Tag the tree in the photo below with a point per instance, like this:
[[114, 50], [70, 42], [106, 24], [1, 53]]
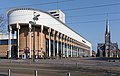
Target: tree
[[3, 28]]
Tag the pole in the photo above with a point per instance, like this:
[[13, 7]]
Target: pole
[[8, 72], [33, 43], [35, 18], [36, 73], [34, 37], [68, 74]]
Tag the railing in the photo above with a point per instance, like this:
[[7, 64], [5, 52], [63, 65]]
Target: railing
[[35, 73], [59, 63]]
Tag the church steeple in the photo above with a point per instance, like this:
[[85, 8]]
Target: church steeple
[[107, 39], [107, 26]]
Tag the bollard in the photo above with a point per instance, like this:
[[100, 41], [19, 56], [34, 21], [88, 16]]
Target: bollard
[[36, 73], [68, 74], [9, 72]]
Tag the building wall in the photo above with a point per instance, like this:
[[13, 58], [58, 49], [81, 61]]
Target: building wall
[[45, 19], [4, 46], [3, 50]]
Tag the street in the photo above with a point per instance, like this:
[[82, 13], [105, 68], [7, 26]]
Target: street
[[60, 67]]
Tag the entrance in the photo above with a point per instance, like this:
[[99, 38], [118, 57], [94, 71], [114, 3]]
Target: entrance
[[14, 51]]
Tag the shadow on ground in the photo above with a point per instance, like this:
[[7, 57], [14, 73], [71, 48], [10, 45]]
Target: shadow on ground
[[103, 58]]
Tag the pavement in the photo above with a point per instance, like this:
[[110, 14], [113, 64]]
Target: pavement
[[61, 67]]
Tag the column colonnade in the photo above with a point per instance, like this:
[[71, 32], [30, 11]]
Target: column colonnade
[[51, 42]]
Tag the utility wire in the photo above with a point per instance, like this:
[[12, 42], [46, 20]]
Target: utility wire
[[85, 15], [75, 8], [105, 5], [69, 9], [39, 4], [93, 21], [97, 14]]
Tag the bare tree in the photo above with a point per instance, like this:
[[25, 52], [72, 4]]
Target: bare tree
[[3, 28]]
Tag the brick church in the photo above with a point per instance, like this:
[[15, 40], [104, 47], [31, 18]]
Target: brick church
[[108, 49]]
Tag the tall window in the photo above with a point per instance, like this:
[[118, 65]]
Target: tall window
[[47, 47], [51, 47], [5, 42]]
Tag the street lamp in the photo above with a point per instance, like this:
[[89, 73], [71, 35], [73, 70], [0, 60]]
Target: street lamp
[[33, 23]]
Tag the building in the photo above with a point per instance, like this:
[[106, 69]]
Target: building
[[4, 45], [107, 49], [41, 34]]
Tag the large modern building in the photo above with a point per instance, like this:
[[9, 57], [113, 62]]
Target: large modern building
[[41, 34], [108, 49]]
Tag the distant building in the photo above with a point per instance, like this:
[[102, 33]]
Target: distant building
[[107, 49], [4, 41]]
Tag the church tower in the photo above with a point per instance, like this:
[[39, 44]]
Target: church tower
[[107, 39], [108, 49]]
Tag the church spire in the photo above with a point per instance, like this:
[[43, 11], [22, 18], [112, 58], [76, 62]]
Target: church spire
[[107, 39], [107, 26]]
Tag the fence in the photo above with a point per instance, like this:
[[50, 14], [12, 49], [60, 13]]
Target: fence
[[35, 73]]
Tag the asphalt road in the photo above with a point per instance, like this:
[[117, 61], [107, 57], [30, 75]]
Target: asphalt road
[[60, 67]]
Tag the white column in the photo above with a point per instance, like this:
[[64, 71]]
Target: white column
[[49, 43], [18, 40], [30, 29], [54, 43], [67, 46], [61, 47], [57, 43], [41, 49], [67, 49], [9, 49], [71, 50], [91, 50], [77, 52], [57, 48]]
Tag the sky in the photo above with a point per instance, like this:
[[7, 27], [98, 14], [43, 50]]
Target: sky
[[87, 17]]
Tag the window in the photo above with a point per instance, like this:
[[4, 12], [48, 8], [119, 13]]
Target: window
[[3, 42], [52, 12], [56, 15], [13, 41]]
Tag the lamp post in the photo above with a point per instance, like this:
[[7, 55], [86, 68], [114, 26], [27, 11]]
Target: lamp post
[[33, 23]]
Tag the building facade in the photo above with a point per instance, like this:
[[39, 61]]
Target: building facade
[[47, 36], [108, 49], [4, 39]]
